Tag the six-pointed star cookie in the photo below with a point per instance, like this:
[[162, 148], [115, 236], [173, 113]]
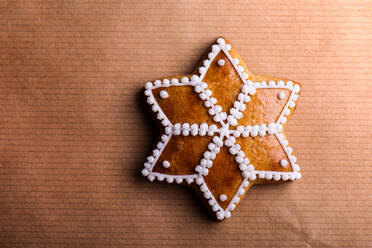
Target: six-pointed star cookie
[[223, 129]]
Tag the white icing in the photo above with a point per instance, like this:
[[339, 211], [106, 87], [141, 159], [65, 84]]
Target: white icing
[[157, 83], [283, 163], [166, 164], [163, 94], [221, 62], [281, 95], [166, 82], [221, 41], [223, 197], [145, 172], [148, 85], [220, 215], [184, 79], [225, 135]]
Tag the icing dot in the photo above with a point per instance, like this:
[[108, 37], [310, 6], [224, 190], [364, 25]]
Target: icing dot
[[272, 83], [221, 62], [174, 81], [199, 180], [152, 178], [207, 195], [145, 172], [281, 95], [194, 78], [221, 41], [284, 163], [189, 180], [281, 83], [215, 207], [296, 167], [241, 191], [198, 88], [227, 214], [269, 176], [220, 215], [296, 88], [163, 94], [252, 177], [223, 197], [215, 48], [184, 79], [148, 85], [166, 164], [285, 177], [277, 177]]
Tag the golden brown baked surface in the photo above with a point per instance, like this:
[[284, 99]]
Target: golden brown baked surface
[[255, 148]]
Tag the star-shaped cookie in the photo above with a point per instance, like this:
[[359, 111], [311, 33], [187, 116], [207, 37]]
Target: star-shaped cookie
[[223, 129]]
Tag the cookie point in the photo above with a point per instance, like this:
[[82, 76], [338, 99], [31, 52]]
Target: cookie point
[[145, 172], [295, 167], [148, 85], [220, 215], [227, 214], [147, 92], [221, 41], [296, 88], [298, 176]]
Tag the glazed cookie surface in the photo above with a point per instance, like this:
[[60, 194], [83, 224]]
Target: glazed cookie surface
[[223, 129]]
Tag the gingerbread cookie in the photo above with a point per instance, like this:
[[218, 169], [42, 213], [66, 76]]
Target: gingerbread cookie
[[223, 129]]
